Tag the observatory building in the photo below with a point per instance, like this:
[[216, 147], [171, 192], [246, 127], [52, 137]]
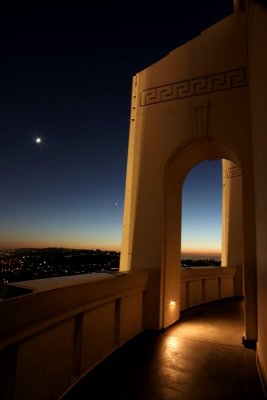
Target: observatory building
[[206, 100]]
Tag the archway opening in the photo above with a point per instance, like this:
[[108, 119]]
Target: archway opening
[[201, 226], [179, 285]]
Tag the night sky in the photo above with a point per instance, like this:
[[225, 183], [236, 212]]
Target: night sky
[[65, 76]]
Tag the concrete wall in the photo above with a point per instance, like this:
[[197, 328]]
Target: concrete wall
[[232, 221], [159, 127], [201, 285], [190, 106], [258, 93], [52, 337]]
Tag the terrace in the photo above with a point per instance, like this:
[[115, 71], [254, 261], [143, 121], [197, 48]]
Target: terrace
[[68, 334]]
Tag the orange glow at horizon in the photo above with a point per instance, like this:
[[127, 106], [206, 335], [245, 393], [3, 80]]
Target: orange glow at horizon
[[201, 251], [184, 253], [108, 245], [67, 245]]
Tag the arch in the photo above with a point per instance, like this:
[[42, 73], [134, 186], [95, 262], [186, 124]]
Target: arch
[[180, 163], [185, 158], [186, 110]]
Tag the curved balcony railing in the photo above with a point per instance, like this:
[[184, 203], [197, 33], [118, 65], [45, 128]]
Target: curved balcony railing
[[201, 285], [52, 336], [61, 328]]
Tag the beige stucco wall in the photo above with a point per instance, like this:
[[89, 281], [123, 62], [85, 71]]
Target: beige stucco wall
[[201, 285], [51, 337], [232, 221], [258, 78], [190, 106], [98, 328], [44, 363], [232, 240], [157, 130]]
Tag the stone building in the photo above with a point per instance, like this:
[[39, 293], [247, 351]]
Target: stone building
[[206, 100]]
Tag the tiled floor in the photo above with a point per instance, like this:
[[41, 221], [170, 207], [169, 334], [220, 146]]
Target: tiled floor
[[200, 358]]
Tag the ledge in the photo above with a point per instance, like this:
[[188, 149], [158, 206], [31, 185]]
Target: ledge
[[58, 298], [8, 291], [204, 273]]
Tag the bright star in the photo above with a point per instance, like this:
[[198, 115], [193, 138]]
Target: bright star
[[38, 140]]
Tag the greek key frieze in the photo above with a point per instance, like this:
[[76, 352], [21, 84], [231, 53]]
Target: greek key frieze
[[233, 172], [194, 87]]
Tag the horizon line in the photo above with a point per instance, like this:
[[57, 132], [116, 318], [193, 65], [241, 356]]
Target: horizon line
[[183, 253]]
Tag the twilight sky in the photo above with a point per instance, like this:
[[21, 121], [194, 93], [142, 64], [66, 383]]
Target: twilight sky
[[65, 76]]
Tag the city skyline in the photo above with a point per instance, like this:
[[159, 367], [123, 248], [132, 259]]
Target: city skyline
[[66, 78]]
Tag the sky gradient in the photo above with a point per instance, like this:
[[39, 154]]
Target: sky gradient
[[202, 209], [66, 77]]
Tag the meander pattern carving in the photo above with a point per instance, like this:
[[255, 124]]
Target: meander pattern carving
[[194, 87], [233, 172]]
